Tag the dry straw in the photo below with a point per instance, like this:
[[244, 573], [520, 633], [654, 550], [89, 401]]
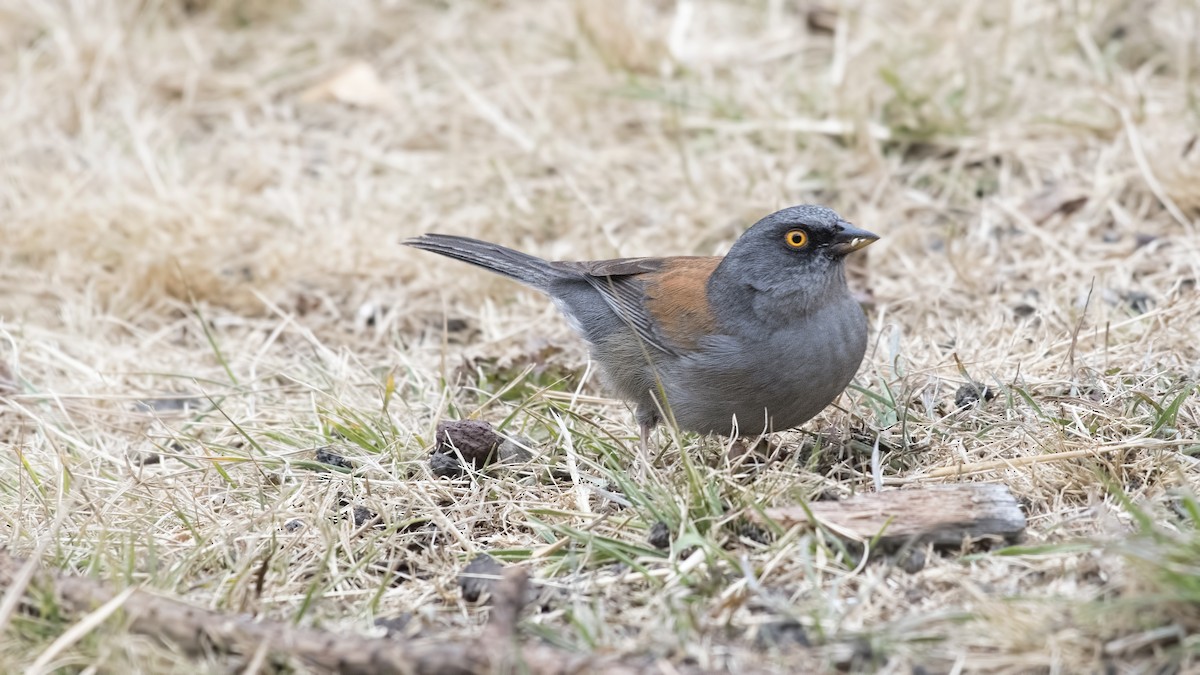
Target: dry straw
[[201, 282]]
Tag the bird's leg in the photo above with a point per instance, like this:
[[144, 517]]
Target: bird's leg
[[644, 431], [647, 418]]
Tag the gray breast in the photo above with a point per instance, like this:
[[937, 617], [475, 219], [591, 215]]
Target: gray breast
[[772, 381]]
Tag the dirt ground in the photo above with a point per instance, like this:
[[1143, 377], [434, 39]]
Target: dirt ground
[[221, 373]]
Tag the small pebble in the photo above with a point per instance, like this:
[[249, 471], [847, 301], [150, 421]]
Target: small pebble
[[148, 458], [445, 465], [363, 515], [479, 577], [659, 536], [971, 393], [326, 455], [1023, 310], [514, 451], [475, 440]]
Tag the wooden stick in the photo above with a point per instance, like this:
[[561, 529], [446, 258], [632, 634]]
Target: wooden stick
[[196, 630], [942, 514]]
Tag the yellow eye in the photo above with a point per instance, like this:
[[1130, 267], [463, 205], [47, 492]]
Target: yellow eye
[[796, 238]]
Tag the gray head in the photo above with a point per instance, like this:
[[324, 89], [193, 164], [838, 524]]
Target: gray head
[[797, 253]]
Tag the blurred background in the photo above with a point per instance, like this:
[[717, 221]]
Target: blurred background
[[283, 148], [206, 198]]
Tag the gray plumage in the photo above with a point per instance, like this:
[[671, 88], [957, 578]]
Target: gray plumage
[[760, 340]]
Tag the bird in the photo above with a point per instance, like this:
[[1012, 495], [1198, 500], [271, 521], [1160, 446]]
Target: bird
[[755, 341]]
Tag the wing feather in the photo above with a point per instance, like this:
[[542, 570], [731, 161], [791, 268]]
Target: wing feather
[[623, 285]]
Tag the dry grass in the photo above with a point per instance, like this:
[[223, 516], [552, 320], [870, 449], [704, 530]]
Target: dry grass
[[199, 261]]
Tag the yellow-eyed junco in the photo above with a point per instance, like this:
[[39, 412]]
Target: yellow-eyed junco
[[759, 340]]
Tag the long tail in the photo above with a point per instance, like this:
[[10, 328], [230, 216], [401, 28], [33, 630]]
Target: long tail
[[521, 267]]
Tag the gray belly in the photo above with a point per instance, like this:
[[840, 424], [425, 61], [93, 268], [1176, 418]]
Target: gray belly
[[768, 382]]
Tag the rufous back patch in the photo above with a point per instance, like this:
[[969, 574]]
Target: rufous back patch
[[676, 296]]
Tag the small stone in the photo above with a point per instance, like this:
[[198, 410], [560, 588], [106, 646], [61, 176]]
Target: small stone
[[363, 515], [971, 393], [514, 451], [445, 465], [326, 455], [659, 536], [148, 458], [479, 577], [1023, 310], [293, 525], [475, 440]]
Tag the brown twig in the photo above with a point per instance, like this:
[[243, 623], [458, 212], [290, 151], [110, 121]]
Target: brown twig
[[941, 514], [196, 629]]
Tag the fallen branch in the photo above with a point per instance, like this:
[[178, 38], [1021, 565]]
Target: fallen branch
[[942, 514], [197, 630]]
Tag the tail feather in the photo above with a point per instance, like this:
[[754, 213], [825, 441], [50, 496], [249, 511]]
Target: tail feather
[[522, 267]]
